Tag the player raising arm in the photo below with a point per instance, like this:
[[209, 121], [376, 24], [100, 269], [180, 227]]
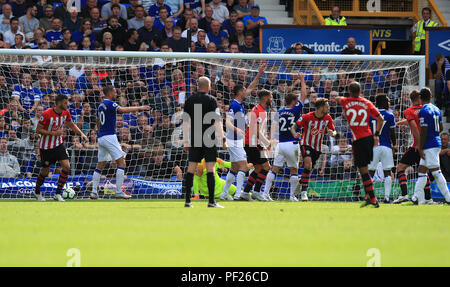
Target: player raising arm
[[108, 144], [235, 124], [357, 110], [429, 147], [411, 156], [51, 144], [382, 152], [315, 126]]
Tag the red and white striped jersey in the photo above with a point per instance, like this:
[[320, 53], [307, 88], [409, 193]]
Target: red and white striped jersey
[[52, 121], [314, 129]]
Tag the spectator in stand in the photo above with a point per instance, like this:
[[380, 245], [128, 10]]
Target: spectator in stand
[[158, 82], [10, 35], [61, 10], [4, 92], [163, 131], [35, 119], [165, 101], [229, 25], [239, 35], [335, 109], [161, 20], [117, 31], [115, 9], [9, 165], [220, 11], [138, 21], [18, 42], [154, 9], [351, 48], [73, 22], [201, 44], [242, 9], [148, 32], [185, 22], [335, 18], [444, 156], [85, 9], [197, 6], [46, 21], [132, 43], [19, 7], [98, 24], [205, 22], [29, 22], [216, 34], [418, 31], [194, 31], [75, 107], [84, 31], [86, 45], [176, 7], [177, 43], [341, 151], [299, 48], [440, 70], [168, 29], [107, 10], [161, 167], [3, 127], [27, 96], [211, 48], [12, 114], [5, 18], [249, 44], [394, 88], [55, 35], [131, 10], [254, 21]]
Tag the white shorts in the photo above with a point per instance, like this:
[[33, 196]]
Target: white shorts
[[384, 155], [236, 150], [431, 158], [287, 152], [109, 147]]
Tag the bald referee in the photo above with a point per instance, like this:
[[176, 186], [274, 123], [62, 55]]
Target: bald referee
[[203, 134]]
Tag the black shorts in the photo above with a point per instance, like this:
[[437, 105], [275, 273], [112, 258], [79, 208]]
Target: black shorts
[[410, 157], [196, 154], [363, 151], [51, 156], [255, 155], [308, 151]]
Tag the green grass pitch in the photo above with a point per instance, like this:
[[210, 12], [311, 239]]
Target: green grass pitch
[[163, 233]]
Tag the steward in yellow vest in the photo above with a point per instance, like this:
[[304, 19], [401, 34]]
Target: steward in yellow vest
[[418, 31], [335, 18]]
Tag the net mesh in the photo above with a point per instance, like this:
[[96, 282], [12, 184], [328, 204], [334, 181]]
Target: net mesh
[[155, 158]]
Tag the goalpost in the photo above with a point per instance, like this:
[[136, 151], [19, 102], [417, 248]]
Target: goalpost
[[152, 141]]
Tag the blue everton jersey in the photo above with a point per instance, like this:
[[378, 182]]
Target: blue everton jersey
[[389, 122], [107, 116], [286, 118], [27, 96], [236, 112], [430, 117]]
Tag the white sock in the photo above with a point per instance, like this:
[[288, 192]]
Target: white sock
[[120, 173], [419, 194], [96, 180], [293, 181], [231, 177], [442, 184], [269, 180], [240, 178], [387, 186]]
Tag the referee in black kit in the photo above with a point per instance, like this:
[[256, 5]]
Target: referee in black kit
[[202, 134]]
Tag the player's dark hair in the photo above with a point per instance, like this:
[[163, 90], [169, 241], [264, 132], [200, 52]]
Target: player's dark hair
[[382, 101], [354, 89], [61, 97], [263, 93], [291, 97], [414, 95], [108, 89], [237, 89], [320, 102], [425, 94]]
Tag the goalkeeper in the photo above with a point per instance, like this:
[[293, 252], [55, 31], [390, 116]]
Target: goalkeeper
[[200, 182]]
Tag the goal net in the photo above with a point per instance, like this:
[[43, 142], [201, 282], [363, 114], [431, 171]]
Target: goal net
[[152, 141]]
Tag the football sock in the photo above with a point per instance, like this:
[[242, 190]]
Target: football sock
[[120, 174], [442, 184], [427, 189], [304, 181], [62, 180], [188, 181], [39, 182], [240, 178], [269, 180], [368, 187], [250, 182], [96, 180], [211, 186], [231, 177], [402, 180], [387, 186], [293, 181], [260, 179], [420, 185]]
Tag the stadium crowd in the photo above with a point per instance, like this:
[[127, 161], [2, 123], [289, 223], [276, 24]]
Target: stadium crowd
[[28, 85]]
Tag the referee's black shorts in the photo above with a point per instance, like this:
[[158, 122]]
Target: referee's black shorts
[[51, 156], [363, 151], [196, 154]]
